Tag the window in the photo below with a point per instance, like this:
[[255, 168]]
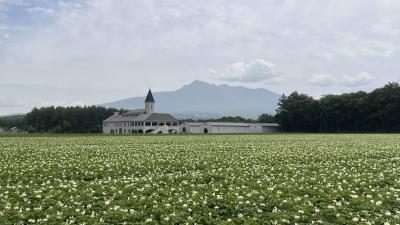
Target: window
[[148, 124], [168, 123], [154, 123]]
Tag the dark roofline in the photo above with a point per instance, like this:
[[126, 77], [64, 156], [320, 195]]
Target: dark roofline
[[149, 97]]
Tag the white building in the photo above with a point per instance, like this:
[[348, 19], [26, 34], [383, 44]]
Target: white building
[[224, 127], [141, 121]]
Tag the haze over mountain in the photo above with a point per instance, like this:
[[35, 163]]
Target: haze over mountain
[[204, 100]]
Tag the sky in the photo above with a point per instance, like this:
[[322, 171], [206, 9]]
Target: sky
[[85, 52]]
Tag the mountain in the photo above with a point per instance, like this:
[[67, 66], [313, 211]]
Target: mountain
[[13, 116], [203, 100]]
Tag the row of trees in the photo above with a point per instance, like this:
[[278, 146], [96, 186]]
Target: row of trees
[[377, 111], [9, 122], [76, 119]]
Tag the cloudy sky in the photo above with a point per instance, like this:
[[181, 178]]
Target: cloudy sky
[[95, 51]]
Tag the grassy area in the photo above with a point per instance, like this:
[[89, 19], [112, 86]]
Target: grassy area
[[204, 179]]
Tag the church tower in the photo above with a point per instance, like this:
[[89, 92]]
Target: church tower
[[149, 103]]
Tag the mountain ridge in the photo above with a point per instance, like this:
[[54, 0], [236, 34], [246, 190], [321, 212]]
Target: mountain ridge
[[204, 100]]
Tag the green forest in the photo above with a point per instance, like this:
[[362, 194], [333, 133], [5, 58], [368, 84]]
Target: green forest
[[377, 111], [87, 119]]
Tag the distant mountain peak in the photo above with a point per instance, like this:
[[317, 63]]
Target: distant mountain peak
[[198, 83], [203, 98]]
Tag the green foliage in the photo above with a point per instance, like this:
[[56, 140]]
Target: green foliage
[[377, 111], [77, 119], [8, 122], [298, 112], [267, 118], [203, 179]]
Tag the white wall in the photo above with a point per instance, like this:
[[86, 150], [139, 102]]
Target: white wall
[[194, 129], [125, 129], [128, 128], [215, 128], [270, 129]]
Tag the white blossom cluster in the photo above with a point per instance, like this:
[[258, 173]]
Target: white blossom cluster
[[200, 179]]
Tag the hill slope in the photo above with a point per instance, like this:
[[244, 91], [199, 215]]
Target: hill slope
[[201, 100]]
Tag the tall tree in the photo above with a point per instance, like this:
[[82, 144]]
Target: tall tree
[[298, 112]]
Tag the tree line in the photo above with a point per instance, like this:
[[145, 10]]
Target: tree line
[[8, 122], [87, 119], [377, 111]]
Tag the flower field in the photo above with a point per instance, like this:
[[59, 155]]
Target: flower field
[[200, 179]]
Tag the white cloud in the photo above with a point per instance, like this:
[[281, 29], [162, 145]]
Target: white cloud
[[326, 80], [62, 103], [323, 80], [357, 80], [38, 9], [249, 72]]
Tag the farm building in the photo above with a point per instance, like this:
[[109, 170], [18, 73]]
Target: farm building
[[141, 121], [224, 127]]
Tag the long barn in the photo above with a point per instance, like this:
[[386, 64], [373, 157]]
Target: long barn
[[226, 127]]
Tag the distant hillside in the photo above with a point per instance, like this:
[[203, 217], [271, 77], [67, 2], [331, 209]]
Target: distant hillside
[[203, 100], [13, 116]]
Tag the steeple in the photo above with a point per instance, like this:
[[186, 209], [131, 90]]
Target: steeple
[[149, 97], [149, 103]]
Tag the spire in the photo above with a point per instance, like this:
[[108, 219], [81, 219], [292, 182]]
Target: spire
[[149, 97]]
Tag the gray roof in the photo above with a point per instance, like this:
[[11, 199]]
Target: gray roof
[[160, 117], [194, 124], [229, 124], [134, 112], [112, 118], [268, 124], [125, 117]]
